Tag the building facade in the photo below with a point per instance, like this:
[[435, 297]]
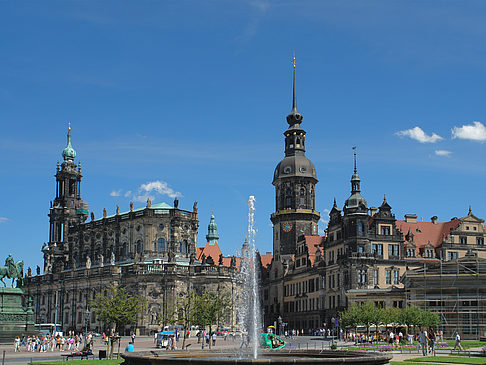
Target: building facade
[[364, 255], [151, 250]]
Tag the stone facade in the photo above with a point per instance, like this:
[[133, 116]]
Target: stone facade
[[364, 255], [150, 250]]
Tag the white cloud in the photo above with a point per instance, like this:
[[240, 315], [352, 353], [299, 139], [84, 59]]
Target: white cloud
[[3, 220], [443, 153], [128, 193], [151, 189], [418, 134], [116, 192], [475, 132]]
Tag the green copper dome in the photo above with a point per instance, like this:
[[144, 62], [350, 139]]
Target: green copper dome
[[69, 153]]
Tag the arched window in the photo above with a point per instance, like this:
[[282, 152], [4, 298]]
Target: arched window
[[184, 247], [139, 247], [302, 197], [161, 245], [360, 228], [288, 198]]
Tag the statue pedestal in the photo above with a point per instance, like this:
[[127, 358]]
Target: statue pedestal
[[16, 315]]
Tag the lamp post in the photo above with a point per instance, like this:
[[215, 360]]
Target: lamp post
[[333, 323], [86, 320]]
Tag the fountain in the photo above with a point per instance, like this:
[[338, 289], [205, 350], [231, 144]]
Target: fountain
[[251, 321], [249, 306]]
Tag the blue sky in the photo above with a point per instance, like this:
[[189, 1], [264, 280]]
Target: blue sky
[[192, 97]]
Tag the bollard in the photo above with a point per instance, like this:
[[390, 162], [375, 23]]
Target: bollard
[[3, 358]]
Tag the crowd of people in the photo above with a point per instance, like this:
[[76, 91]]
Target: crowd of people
[[46, 342]]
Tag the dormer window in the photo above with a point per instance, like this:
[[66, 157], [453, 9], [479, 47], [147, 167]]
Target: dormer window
[[385, 230]]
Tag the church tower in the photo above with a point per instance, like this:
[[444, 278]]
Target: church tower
[[66, 210], [294, 180]]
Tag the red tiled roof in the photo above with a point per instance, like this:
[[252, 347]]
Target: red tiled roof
[[426, 232], [211, 250], [227, 262], [313, 242], [266, 259], [214, 251]]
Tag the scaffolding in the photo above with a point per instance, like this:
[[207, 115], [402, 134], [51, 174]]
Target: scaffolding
[[456, 290]]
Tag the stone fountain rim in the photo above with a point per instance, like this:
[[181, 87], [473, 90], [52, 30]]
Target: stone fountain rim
[[306, 356]]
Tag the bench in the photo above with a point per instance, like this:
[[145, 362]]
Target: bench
[[82, 356]]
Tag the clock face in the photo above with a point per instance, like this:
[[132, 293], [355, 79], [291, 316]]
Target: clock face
[[287, 227]]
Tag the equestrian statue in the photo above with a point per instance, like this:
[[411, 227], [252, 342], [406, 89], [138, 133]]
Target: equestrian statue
[[12, 270]]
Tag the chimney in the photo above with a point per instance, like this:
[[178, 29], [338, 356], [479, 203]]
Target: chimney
[[411, 218], [373, 211], [434, 219]]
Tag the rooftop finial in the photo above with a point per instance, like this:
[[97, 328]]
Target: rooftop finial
[[470, 211], [69, 126], [294, 117], [354, 149], [294, 100]]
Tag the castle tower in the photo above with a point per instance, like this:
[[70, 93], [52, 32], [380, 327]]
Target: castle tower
[[356, 216], [294, 180], [66, 210]]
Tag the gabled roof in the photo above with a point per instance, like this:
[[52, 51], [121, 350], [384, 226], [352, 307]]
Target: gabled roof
[[426, 232], [313, 242], [212, 250], [266, 259]]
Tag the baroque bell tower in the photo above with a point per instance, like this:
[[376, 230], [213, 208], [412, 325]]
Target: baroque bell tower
[[66, 209], [294, 180]]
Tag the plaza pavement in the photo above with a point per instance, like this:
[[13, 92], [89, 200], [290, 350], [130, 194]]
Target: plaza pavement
[[145, 343]]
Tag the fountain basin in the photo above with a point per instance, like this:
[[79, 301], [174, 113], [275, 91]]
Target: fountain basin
[[273, 357]]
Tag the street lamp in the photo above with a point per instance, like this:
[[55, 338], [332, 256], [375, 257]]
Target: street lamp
[[86, 320], [333, 323]]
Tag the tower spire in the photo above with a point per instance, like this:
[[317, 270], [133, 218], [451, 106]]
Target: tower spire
[[354, 149], [69, 153], [294, 99], [294, 118]]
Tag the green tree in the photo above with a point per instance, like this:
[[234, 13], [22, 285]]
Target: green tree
[[429, 318], [350, 317], [368, 315], [118, 307], [411, 317], [186, 312], [392, 316], [210, 308]]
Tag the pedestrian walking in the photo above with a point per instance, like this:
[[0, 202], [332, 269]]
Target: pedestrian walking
[[458, 342], [432, 338], [423, 340]]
